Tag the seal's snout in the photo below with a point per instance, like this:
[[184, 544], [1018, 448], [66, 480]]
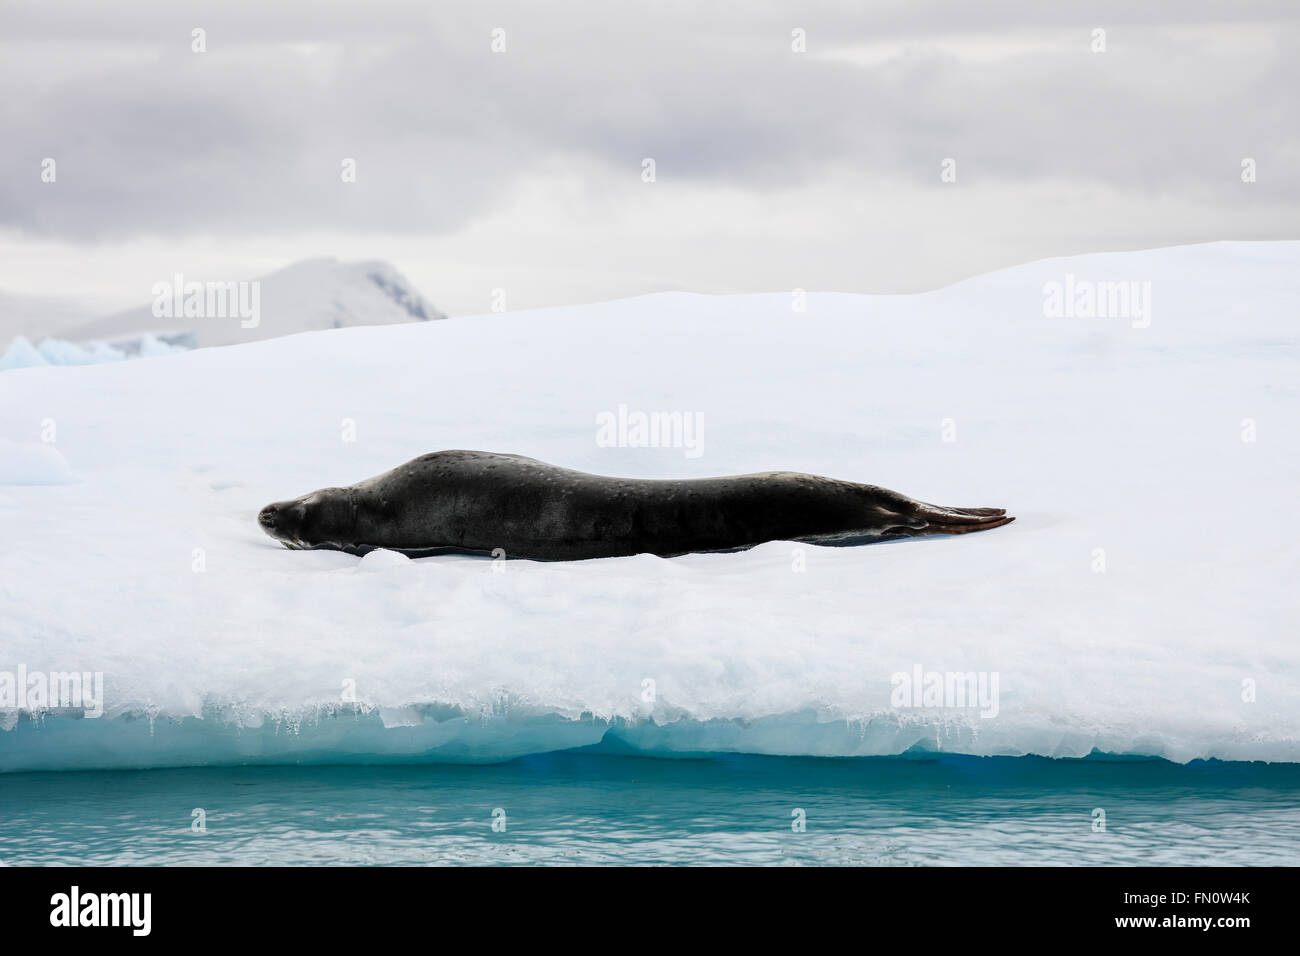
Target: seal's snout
[[284, 521], [269, 518]]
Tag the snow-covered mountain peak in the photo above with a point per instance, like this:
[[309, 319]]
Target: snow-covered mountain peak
[[311, 295]]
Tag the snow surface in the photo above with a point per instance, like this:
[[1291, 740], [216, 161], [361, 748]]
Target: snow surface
[[217, 644]]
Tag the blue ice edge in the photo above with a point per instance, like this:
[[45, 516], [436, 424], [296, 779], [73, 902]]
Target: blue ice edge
[[441, 734]]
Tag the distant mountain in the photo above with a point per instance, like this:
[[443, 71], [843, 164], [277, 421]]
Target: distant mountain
[[307, 296], [38, 316]]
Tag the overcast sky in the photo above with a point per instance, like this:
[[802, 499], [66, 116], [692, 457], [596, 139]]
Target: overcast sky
[[523, 169]]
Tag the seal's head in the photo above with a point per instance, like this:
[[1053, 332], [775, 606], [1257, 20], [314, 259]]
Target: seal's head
[[322, 519]]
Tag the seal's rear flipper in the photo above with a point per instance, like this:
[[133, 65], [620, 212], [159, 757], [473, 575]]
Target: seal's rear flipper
[[925, 519]]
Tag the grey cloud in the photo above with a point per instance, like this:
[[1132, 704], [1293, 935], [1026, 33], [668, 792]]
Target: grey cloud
[[152, 139]]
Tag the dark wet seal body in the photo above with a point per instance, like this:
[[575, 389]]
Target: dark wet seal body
[[477, 502]]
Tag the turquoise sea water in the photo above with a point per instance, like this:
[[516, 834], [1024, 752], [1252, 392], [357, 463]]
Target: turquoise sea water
[[578, 807]]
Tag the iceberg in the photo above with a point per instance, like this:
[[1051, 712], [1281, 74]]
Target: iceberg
[[1142, 604]]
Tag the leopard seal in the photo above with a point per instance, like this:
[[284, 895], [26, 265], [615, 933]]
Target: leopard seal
[[477, 502]]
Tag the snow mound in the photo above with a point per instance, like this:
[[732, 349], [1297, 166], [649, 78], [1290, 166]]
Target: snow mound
[[382, 560], [33, 463], [1142, 603]]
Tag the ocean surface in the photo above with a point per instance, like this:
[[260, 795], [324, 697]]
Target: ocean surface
[[594, 808]]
